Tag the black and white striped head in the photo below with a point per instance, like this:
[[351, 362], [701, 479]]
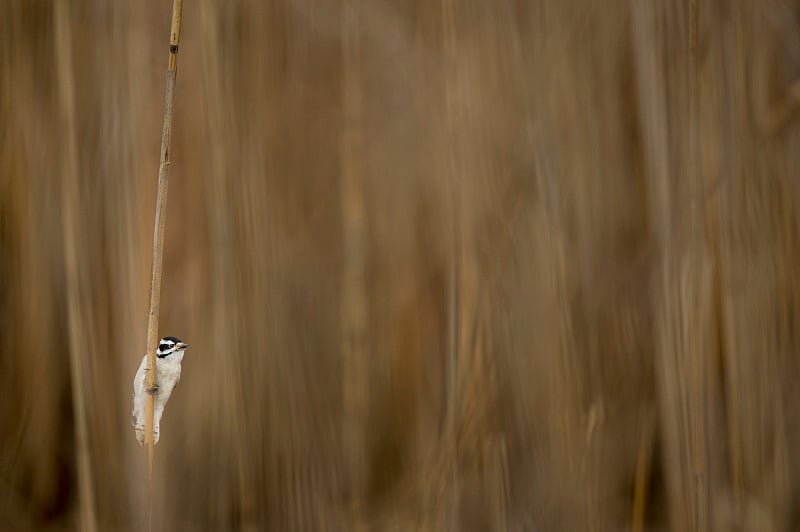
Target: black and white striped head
[[169, 345]]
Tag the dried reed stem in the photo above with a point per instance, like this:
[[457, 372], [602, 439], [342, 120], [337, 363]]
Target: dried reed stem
[[644, 461], [452, 100], [76, 309], [158, 230], [355, 302]]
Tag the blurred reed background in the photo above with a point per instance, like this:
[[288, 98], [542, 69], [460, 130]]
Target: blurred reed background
[[444, 264]]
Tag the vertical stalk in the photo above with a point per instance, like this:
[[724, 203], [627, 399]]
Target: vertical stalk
[[71, 213], [452, 101], [355, 303], [158, 230]]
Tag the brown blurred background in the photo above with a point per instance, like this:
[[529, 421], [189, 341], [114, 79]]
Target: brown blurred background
[[444, 264]]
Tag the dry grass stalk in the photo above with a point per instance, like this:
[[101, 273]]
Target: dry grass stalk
[[78, 344], [451, 87], [158, 230], [644, 460], [355, 301]]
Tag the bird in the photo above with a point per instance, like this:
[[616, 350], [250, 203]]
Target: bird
[[168, 372]]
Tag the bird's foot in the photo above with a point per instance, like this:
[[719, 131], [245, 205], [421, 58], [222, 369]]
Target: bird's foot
[[154, 390]]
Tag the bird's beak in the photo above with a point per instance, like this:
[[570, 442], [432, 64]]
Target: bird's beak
[[181, 345]]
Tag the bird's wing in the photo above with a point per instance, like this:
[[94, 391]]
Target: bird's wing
[[137, 410], [138, 381]]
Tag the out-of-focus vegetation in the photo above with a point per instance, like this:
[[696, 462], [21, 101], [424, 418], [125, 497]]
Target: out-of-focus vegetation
[[444, 264]]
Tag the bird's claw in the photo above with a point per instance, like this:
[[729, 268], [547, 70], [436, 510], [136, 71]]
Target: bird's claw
[[154, 390]]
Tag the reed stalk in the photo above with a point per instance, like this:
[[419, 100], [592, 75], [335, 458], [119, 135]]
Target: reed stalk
[[158, 231], [76, 304], [355, 300]]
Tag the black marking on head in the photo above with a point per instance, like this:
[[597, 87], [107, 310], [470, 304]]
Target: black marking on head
[[166, 346]]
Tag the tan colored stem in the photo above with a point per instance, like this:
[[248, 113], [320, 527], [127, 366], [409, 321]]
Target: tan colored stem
[[158, 230], [355, 302], [76, 311], [643, 465]]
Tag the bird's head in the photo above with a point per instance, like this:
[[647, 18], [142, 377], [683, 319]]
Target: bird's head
[[170, 345]]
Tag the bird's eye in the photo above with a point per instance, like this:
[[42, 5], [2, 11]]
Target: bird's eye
[[164, 347]]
